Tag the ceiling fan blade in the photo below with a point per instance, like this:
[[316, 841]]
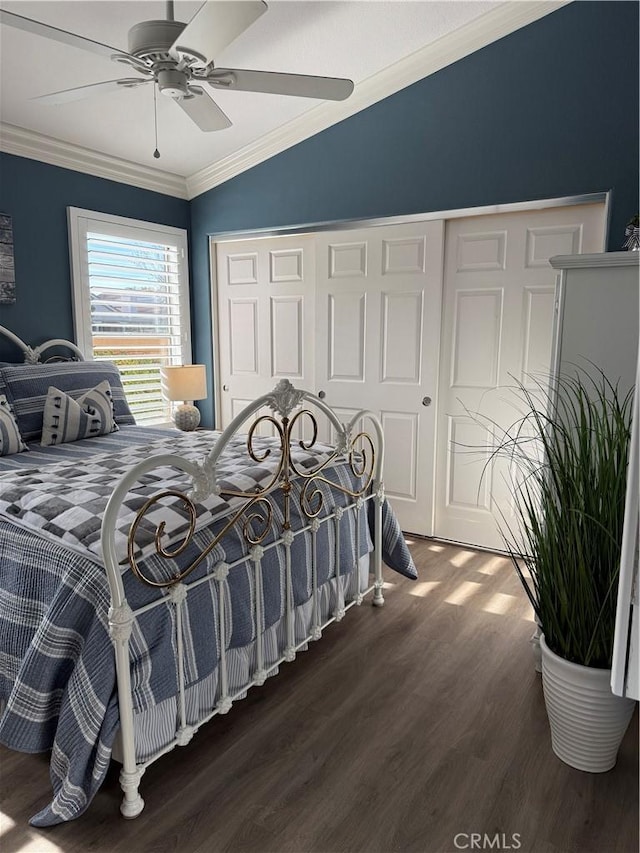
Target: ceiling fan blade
[[300, 85], [81, 92], [62, 36], [215, 25], [204, 112]]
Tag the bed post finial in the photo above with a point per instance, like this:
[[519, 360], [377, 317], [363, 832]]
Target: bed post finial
[[284, 398]]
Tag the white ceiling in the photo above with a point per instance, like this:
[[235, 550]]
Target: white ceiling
[[361, 40]]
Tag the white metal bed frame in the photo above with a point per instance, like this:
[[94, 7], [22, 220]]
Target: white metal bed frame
[[251, 510]]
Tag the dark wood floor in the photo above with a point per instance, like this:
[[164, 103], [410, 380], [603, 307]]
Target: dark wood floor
[[406, 729]]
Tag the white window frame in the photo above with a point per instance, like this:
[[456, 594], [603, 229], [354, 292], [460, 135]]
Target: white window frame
[[82, 222]]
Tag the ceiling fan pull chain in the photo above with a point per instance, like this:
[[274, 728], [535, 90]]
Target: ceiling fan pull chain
[[156, 153]]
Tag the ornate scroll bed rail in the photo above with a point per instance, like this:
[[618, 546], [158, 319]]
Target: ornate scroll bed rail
[[253, 515], [33, 355]]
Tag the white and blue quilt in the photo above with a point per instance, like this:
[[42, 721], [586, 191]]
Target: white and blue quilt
[[57, 669]]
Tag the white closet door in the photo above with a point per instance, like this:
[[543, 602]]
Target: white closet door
[[377, 342], [265, 304], [497, 328]]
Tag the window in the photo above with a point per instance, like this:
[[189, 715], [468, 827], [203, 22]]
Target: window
[[131, 302]]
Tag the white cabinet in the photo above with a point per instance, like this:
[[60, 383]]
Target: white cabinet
[[625, 675], [597, 320], [597, 315]]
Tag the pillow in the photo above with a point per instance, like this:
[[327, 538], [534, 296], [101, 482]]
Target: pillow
[[10, 438], [27, 386], [65, 419]]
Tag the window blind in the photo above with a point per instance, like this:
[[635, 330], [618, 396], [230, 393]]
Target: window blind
[[136, 314], [131, 301]]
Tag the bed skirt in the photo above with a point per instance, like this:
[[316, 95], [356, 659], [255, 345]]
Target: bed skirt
[[155, 727]]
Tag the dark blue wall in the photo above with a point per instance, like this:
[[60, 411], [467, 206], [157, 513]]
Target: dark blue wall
[[37, 195], [549, 111]]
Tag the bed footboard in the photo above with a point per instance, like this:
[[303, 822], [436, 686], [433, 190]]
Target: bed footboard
[[292, 503]]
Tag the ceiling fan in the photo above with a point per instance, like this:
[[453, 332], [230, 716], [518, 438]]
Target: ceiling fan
[[178, 58]]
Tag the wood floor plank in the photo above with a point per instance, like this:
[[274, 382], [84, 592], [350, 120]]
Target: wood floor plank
[[402, 729]]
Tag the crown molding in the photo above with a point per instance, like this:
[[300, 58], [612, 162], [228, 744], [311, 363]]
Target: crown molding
[[493, 25], [37, 146]]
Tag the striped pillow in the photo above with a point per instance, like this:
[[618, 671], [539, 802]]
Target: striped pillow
[[10, 439], [27, 386], [66, 419]]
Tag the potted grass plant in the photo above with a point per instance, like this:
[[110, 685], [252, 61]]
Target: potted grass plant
[[569, 454]]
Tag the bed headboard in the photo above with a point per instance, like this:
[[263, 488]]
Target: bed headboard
[[33, 355]]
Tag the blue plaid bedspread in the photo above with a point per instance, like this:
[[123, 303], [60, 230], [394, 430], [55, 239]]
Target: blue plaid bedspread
[[57, 670]]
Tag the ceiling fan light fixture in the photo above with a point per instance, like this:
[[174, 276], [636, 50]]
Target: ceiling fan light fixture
[[173, 84]]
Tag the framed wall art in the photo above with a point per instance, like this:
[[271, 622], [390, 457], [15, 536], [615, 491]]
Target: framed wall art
[[7, 267]]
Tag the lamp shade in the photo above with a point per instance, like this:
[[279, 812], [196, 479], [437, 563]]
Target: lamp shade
[[184, 382]]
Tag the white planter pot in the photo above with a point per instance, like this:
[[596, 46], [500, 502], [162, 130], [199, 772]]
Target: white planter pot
[[587, 720]]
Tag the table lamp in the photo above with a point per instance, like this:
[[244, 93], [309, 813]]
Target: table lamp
[[185, 382]]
